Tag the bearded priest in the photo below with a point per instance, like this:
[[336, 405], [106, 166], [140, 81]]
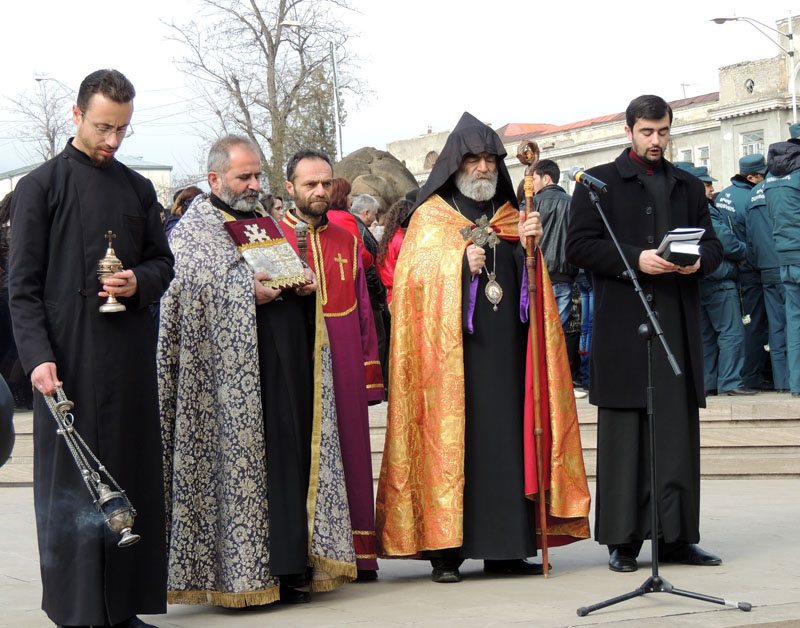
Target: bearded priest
[[458, 477]]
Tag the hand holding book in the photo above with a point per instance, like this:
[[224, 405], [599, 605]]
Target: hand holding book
[[681, 246]]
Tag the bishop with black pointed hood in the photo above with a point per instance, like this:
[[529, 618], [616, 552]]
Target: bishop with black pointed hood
[[470, 137]]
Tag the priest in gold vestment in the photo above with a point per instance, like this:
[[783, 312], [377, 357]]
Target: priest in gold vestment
[[458, 477]]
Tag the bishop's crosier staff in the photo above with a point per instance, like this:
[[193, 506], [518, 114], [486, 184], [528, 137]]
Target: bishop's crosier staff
[[528, 154]]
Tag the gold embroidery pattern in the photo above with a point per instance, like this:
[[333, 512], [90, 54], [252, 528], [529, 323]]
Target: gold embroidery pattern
[[316, 249], [420, 491], [420, 506], [213, 433]]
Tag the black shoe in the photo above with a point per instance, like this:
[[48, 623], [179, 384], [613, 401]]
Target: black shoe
[[690, 554], [518, 567], [740, 391], [290, 595], [446, 574], [711, 393], [622, 560], [781, 390], [367, 575]]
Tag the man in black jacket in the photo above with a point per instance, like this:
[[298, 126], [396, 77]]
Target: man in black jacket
[[552, 202], [647, 197]]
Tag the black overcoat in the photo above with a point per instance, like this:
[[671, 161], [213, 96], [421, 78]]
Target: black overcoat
[[60, 213], [618, 376]]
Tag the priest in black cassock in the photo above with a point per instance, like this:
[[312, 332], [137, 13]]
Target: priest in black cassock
[[453, 481], [61, 213], [647, 197]]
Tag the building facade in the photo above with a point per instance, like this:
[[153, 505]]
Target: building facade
[[751, 110]]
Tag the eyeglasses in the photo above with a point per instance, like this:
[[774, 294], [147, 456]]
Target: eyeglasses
[[104, 130]]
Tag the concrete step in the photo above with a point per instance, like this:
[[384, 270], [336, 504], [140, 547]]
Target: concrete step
[[715, 462], [756, 437], [721, 436]]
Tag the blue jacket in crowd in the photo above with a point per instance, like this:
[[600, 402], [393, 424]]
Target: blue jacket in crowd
[[760, 244], [733, 202], [782, 192], [733, 249]]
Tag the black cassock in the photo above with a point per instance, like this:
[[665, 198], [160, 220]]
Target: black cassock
[[499, 522], [641, 208], [285, 350], [60, 214]]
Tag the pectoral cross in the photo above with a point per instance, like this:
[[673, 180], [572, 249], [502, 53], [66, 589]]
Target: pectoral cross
[[482, 234], [341, 261]]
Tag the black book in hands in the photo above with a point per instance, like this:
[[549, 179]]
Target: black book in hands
[[681, 246]]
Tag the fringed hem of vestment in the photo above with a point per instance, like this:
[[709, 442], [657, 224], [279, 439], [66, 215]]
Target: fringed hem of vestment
[[228, 600], [330, 584], [330, 574]]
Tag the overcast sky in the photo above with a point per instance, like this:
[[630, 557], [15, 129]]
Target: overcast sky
[[424, 62]]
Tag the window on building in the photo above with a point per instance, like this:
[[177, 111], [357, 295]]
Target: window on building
[[752, 142], [703, 156], [686, 155]]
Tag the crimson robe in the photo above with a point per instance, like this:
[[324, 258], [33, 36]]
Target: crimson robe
[[357, 380]]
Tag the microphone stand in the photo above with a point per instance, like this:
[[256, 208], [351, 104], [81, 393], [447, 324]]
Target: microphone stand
[[655, 583]]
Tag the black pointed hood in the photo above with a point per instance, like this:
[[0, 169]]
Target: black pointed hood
[[471, 136]]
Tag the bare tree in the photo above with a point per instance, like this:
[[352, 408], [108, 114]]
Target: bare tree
[[46, 116], [267, 79]]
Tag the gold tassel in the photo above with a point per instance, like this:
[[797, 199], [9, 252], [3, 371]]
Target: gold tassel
[[221, 598], [334, 573]]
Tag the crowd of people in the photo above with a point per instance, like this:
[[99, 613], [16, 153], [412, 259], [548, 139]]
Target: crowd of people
[[747, 302], [231, 396]]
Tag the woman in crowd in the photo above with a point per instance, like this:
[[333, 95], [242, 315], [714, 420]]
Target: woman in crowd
[[181, 204], [339, 214], [274, 206], [389, 246]]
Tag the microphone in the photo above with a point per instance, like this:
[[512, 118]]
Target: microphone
[[580, 176]]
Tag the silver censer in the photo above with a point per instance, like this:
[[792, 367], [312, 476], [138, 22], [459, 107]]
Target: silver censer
[[113, 504]]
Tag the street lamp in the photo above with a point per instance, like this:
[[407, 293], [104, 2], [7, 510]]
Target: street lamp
[[337, 119], [756, 24], [40, 78]]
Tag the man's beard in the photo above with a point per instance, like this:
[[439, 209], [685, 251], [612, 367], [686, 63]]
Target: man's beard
[[643, 153], [101, 162], [314, 206], [479, 186], [247, 201]]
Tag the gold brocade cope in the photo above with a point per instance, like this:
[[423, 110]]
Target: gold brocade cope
[[420, 492]]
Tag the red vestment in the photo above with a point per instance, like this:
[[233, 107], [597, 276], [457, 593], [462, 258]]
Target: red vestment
[[333, 254]]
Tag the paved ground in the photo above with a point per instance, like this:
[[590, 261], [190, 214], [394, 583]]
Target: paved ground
[[752, 524]]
